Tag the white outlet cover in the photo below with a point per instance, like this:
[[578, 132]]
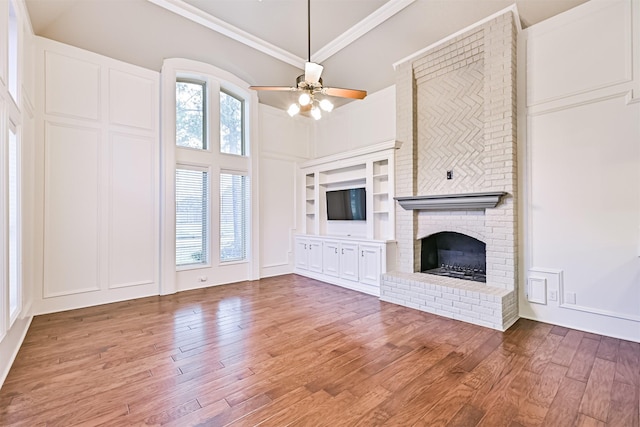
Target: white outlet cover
[[570, 297], [537, 290]]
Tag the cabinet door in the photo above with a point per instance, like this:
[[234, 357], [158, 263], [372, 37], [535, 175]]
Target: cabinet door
[[331, 258], [315, 255], [349, 261], [370, 264], [302, 253]]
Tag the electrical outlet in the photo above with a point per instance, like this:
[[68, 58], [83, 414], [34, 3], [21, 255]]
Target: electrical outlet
[[450, 174], [553, 295]]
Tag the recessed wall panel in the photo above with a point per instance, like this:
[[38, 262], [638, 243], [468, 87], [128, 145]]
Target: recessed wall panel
[[588, 53], [72, 87], [278, 206], [131, 100], [132, 225], [71, 210], [585, 199]]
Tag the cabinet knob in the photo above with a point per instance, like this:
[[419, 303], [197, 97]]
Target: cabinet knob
[[342, 251], [336, 250], [362, 253]]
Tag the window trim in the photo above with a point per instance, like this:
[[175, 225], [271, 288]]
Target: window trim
[[13, 316]]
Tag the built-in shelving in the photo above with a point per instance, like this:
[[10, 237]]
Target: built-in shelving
[[381, 197], [310, 201], [371, 168]]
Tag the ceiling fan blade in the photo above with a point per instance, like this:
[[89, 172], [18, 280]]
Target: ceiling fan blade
[[275, 88], [344, 93], [312, 72]]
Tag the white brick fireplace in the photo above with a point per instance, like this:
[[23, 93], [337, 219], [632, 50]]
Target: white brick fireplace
[[456, 113]]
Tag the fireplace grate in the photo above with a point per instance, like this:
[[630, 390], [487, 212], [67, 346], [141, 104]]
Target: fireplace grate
[[459, 272], [455, 255]]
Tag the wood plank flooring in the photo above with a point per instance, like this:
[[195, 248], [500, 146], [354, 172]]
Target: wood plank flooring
[[293, 351]]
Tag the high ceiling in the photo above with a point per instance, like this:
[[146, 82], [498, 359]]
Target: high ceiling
[[264, 42]]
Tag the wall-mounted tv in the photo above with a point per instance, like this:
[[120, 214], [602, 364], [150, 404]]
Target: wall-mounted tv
[[349, 205]]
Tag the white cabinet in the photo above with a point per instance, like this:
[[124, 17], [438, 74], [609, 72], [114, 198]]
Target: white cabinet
[[331, 258], [302, 253], [309, 254], [351, 263], [370, 264], [315, 255], [340, 259]]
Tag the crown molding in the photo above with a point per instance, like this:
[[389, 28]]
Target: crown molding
[[376, 18], [218, 25], [196, 15]]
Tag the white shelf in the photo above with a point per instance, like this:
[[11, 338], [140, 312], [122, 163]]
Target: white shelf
[[344, 182]]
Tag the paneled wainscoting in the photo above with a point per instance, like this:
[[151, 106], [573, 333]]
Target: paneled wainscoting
[[290, 350]]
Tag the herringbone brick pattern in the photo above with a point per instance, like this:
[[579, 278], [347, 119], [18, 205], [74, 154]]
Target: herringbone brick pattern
[[451, 131]]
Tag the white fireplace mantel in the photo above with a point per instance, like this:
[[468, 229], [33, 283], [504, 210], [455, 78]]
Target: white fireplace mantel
[[464, 201]]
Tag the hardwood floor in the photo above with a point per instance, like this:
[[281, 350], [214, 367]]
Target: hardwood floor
[[293, 351]]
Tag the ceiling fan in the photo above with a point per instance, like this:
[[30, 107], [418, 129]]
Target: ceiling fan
[[310, 85]]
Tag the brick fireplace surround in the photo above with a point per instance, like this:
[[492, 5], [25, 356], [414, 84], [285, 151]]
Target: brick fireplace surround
[[456, 110]]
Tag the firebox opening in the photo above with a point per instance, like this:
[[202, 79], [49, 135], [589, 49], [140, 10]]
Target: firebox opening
[[454, 255]]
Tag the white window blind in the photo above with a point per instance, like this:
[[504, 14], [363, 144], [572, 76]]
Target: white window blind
[[192, 217], [234, 194]]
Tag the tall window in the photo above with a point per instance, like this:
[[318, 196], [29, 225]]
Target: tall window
[[213, 167], [192, 217], [234, 195], [231, 125], [14, 230], [190, 114]]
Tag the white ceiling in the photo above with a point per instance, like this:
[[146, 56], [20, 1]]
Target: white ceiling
[[264, 42]]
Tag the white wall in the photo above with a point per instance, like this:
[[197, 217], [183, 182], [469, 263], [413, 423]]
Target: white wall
[[98, 157], [357, 124], [284, 143], [581, 169]]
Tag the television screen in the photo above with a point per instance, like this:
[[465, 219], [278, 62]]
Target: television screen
[[347, 204]]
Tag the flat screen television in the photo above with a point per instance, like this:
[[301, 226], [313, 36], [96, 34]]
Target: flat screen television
[[347, 205]]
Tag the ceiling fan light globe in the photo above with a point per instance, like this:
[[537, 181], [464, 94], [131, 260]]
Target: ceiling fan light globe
[[316, 113], [312, 72], [293, 109], [304, 99], [326, 105]]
